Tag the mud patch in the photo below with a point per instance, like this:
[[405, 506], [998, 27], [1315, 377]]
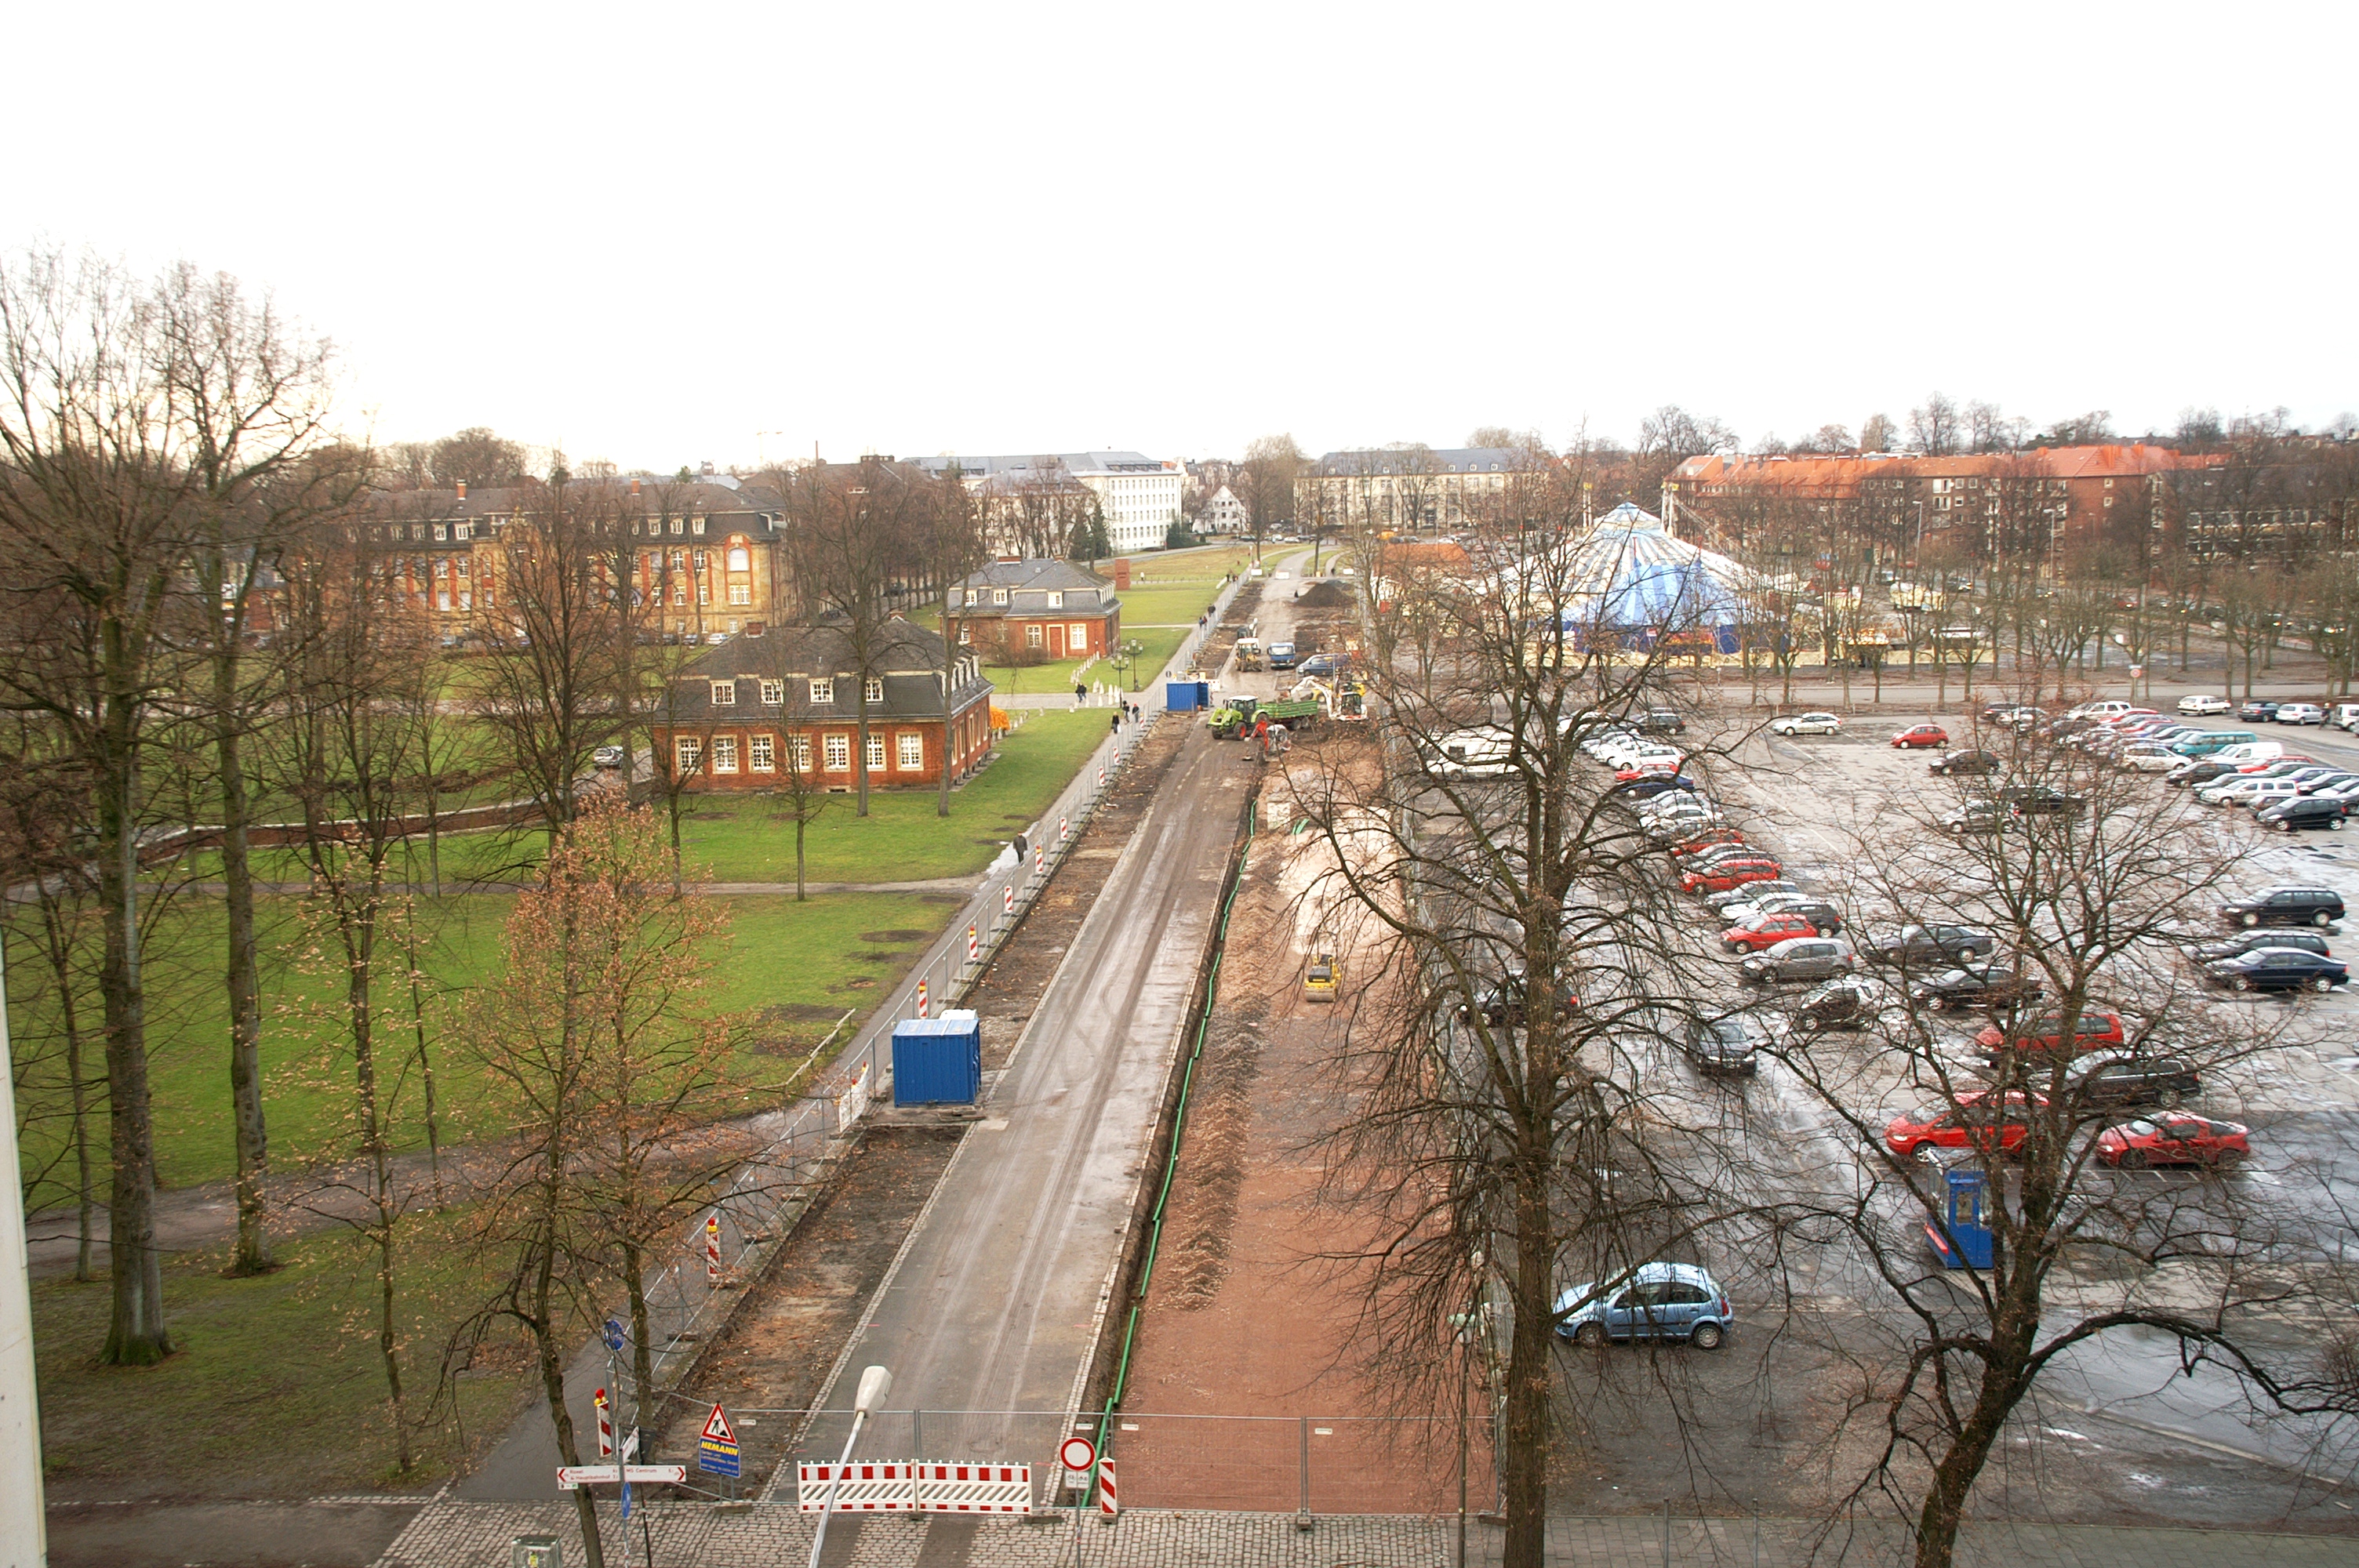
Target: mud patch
[[1220, 1118], [894, 936]]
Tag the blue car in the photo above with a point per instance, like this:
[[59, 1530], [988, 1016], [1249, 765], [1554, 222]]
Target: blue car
[[1657, 1301], [1647, 785]]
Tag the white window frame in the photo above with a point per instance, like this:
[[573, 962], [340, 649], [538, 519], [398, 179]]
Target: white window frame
[[909, 752], [741, 593], [839, 753], [774, 694], [998, 596], [724, 754], [1056, 599], [802, 753], [1077, 635], [724, 694], [875, 752], [760, 754], [822, 690], [1036, 636], [689, 754], [873, 688]]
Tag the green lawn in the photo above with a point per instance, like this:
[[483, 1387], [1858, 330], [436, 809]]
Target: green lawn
[[901, 840], [1161, 606], [796, 967], [277, 1390], [1159, 642]]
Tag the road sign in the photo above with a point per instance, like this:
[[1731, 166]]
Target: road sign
[[614, 1335], [1078, 1453], [571, 1475], [716, 1448]]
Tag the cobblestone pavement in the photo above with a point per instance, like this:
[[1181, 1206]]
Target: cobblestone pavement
[[451, 1534]]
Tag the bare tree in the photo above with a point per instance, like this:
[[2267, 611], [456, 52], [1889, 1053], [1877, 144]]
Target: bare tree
[[853, 525], [1934, 427], [1878, 434], [477, 458]]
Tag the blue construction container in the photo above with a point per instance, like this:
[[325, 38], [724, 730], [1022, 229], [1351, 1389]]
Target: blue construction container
[[1187, 696], [938, 1061]]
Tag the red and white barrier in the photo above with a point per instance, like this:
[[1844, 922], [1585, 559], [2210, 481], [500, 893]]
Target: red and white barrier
[[1007, 900], [713, 1247], [1060, 830], [921, 998], [1109, 1503], [973, 942], [606, 1426], [872, 1489]]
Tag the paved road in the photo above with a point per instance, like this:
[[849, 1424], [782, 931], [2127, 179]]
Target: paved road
[[993, 1304]]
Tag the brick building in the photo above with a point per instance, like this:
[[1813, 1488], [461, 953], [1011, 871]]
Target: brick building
[[1044, 609], [751, 713]]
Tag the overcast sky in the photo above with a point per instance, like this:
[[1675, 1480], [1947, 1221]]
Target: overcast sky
[[664, 234]]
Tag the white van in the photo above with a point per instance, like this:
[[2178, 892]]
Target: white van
[[2102, 712], [2343, 716], [1481, 753], [2250, 753]]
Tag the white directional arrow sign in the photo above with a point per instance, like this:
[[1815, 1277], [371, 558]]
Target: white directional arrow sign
[[571, 1475]]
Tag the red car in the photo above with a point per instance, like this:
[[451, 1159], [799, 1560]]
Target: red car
[[1766, 930], [1731, 873], [1922, 735], [2091, 1032], [1705, 841], [1986, 1121], [2173, 1138]]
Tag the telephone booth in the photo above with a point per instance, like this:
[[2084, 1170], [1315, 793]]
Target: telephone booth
[[1966, 1243]]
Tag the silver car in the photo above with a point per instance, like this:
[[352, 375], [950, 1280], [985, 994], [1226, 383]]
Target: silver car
[[1800, 958], [1805, 724]]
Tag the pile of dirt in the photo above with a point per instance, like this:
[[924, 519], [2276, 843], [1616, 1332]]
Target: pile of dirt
[[1328, 593]]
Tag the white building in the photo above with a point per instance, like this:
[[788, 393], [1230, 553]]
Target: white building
[[1223, 514], [1138, 494]]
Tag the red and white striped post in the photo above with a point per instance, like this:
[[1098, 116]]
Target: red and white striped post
[[1109, 1503], [974, 941], [1101, 780], [713, 1247], [1060, 829], [1007, 901], [606, 1428], [921, 998]]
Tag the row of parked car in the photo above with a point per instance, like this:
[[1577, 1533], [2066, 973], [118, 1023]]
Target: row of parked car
[[2262, 711]]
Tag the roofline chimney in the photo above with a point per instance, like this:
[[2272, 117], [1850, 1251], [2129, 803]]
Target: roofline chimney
[[462, 489]]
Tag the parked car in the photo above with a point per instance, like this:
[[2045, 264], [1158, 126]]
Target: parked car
[[1805, 724], [1850, 1001], [1653, 785], [1953, 764], [2284, 906], [2094, 1030], [1766, 930], [1729, 874], [2241, 789], [2205, 705], [1923, 944], [1503, 1002], [2276, 970], [1800, 958], [609, 757], [1975, 816], [1976, 985], [2177, 1139], [1662, 721], [2043, 800], [2301, 811], [1659, 1301], [2019, 719], [1816, 910], [2245, 941], [2133, 1081], [2345, 716], [2257, 711], [2196, 771], [1752, 893], [1723, 1044], [1917, 736], [2148, 757], [1708, 855], [1992, 1121], [2300, 713], [1705, 838]]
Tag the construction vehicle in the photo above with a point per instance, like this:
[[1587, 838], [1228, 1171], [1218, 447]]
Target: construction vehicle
[[1322, 978], [1238, 714], [1249, 654]]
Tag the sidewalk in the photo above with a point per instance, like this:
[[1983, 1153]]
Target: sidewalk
[[462, 1535]]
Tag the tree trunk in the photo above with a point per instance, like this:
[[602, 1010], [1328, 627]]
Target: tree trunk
[[252, 1253], [860, 762], [1523, 1443], [136, 1335], [642, 1369], [801, 895]]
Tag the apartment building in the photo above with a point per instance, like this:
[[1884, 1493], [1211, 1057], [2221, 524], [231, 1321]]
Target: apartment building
[[1138, 496], [1403, 487]]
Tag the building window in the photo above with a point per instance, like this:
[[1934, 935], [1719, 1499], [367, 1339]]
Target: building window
[[689, 749], [998, 596], [724, 694], [912, 752], [679, 593], [466, 600], [463, 530], [676, 526], [740, 559], [1032, 638], [839, 753], [1077, 635], [703, 593], [760, 755], [697, 526], [724, 754], [700, 560], [876, 753], [800, 748], [873, 689], [1056, 599], [774, 693], [443, 595], [967, 633], [823, 690], [440, 533], [741, 593]]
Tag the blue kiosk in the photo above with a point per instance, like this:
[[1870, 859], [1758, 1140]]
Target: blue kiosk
[[1963, 1241]]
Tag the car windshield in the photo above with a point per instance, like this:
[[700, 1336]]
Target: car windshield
[[2140, 1129]]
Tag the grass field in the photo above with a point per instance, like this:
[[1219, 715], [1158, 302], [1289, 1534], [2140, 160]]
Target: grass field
[[901, 840], [278, 1389], [795, 967]]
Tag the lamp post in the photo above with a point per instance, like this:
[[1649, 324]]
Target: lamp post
[[1124, 660], [874, 1384]]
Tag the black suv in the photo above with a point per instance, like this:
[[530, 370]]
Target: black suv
[[1662, 722], [1963, 763], [1723, 1045], [2244, 942], [1976, 985], [2135, 1081], [2038, 800], [1924, 945], [2284, 906]]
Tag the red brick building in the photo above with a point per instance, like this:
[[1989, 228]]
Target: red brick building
[[758, 712], [1040, 609]]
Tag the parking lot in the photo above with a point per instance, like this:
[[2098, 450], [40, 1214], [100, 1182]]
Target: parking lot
[[2114, 1434]]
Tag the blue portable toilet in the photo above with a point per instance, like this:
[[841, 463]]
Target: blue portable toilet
[[1967, 1243], [938, 1061]]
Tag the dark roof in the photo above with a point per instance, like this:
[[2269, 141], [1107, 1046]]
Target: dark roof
[[1034, 574], [1419, 459]]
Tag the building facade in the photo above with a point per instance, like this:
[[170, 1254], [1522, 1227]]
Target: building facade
[[1407, 487], [1138, 496], [1034, 611], [782, 708]]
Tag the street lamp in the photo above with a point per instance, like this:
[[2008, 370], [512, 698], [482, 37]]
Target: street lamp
[[874, 1384], [1124, 660]]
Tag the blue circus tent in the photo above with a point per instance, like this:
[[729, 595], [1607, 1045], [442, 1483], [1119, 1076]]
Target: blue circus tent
[[1629, 577]]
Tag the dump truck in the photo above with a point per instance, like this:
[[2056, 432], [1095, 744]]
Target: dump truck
[[1239, 713]]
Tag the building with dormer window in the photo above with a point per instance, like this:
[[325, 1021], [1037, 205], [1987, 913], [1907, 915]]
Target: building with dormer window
[[1034, 611]]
